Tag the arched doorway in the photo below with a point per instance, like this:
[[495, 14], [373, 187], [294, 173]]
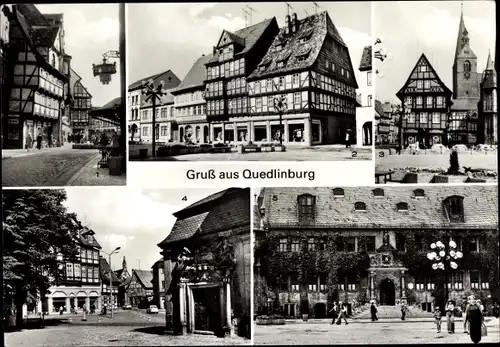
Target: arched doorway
[[367, 134], [387, 292], [205, 134], [320, 310]]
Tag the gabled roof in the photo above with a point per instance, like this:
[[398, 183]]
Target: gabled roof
[[317, 28], [463, 48], [379, 108], [33, 16], [366, 59], [490, 75], [250, 36], [145, 277], [480, 207], [195, 76], [423, 61], [113, 104], [85, 232], [232, 38], [104, 270], [221, 211], [174, 82]]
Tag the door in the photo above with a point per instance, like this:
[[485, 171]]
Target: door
[[207, 315], [320, 310], [387, 293]]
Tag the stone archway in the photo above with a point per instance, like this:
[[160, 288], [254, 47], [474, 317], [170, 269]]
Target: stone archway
[[387, 292], [367, 134], [320, 310]]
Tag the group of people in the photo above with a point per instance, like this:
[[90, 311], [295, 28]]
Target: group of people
[[473, 320], [39, 141], [339, 312]]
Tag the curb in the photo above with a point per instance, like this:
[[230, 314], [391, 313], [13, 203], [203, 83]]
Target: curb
[[80, 172]]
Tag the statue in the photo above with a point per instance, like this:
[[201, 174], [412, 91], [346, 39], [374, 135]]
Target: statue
[[386, 238]]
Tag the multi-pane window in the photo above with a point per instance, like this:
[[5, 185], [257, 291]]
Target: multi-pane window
[[420, 84], [419, 101], [322, 282], [283, 245], [351, 244], [430, 284], [427, 84], [428, 102], [69, 270], [297, 98], [295, 79], [424, 117], [370, 243], [294, 281], [369, 78], [439, 101], [408, 101], [295, 246], [474, 279], [360, 206], [420, 283], [306, 207], [400, 242], [473, 244], [311, 244], [458, 280], [312, 287], [484, 279], [455, 208], [338, 192], [411, 117], [402, 206], [436, 117]]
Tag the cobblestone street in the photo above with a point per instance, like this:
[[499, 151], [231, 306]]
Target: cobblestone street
[[383, 332], [45, 168]]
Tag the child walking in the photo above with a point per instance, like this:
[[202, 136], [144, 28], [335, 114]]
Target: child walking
[[437, 317]]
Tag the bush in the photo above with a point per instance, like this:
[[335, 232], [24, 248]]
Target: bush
[[454, 165], [220, 144]]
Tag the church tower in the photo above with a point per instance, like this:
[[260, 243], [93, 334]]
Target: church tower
[[465, 77]]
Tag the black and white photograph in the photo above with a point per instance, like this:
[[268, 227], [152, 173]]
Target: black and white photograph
[[160, 267], [436, 92], [368, 265], [250, 81], [61, 78]]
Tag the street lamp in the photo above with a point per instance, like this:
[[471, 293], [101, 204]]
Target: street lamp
[[280, 105], [380, 53], [105, 69], [444, 257], [153, 93], [110, 279]]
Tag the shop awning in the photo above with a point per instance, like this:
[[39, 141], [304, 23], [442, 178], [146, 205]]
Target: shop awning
[[110, 112]]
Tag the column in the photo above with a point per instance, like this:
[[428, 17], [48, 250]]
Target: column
[[182, 308], [50, 305], [221, 305], [286, 136], [495, 121], [228, 307], [307, 132], [87, 303], [68, 305], [268, 131], [319, 282], [235, 132], [99, 304], [212, 133], [372, 285], [190, 306], [223, 129], [251, 135], [75, 302], [403, 292]]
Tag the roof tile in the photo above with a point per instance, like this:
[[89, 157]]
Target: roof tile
[[195, 76]]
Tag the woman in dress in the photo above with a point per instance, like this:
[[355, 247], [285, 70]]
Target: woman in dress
[[450, 318], [476, 320], [29, 142]]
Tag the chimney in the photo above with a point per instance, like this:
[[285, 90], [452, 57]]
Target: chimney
[[288, 25], [295, 23]]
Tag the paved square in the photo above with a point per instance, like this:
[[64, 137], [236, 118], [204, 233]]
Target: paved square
[[388, 331]]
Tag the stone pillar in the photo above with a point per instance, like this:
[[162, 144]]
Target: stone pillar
[[190, 307], [251, 132], [308, 132], [223, 129], [87, 303], [268, 131], [286, 136], [99, 304], [182, 308], [403, 291], [75, 302], [68, 306], [50, 305], [235, 132], [495, 122], [229, 322], [319, 283], [372, 285], [212, 132], [221, 305]]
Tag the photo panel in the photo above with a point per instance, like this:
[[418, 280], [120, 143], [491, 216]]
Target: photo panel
[[250, 82], [160, 266], [436, 105], [63, 120], [376, 265]]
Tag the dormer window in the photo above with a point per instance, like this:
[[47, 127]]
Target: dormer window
[[307, 203], [418, 193], [302, 57], [342, 71], [454, 207], [360, 206], [338, 193], [402, 206], [306, 36], [378, 192]]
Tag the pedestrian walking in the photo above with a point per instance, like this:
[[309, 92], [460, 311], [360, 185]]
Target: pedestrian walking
[[61, 310], [347, 138], [49, 138], [335, 310], [450, 318], [437, 318], [466, 314], [476, 321], [342, 314], [29, 142], [373, 311], [404, 311], [39, 141], [104, 140]]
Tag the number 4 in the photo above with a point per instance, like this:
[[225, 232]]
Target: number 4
[[185, 198]]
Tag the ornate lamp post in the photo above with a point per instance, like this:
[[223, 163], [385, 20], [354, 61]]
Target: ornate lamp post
[[280, 105], [444, 258], [110, 279], [153, 93], [105, 69]]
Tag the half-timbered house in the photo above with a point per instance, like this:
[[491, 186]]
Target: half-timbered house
[[429, 101], [235, 56], [316, 246], [38, 83], [309, 64], [109, 284], [207, 265], [190, 105], [81, 105], [140, 288]]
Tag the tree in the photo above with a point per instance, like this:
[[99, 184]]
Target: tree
[[38, 233]]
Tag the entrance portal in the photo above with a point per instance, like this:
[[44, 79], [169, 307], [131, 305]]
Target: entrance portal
[[320, 310], [387, 293], [207, 315]]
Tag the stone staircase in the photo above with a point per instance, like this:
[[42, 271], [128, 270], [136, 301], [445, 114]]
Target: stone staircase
[[385, 312]]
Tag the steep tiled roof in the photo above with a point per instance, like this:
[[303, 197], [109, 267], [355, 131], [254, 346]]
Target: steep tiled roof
[[116, 102], [366, 59], [379, 108], [104, 270], [195, 76], [145, 277], [248, 36], [173, 80], [220, 211], [85, 241], [490, 75], [314, 27], [480, 207], [33, 16], [139, 83]]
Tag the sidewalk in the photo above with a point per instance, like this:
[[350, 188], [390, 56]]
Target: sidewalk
[[490, 321], [90, 175], [16, 153]]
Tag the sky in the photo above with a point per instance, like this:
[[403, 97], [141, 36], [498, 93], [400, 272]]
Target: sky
[[172, 36], [408, 29], [134, 219], [90, 31]]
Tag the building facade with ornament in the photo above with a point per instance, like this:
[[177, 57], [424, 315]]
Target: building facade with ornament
[[139, 289], [39, 72], [165, 119], [190, 105], [207, 266], [317, 246], [81, 105]]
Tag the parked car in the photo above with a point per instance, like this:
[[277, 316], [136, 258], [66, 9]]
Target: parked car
[[127, 307], [152, 309]]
